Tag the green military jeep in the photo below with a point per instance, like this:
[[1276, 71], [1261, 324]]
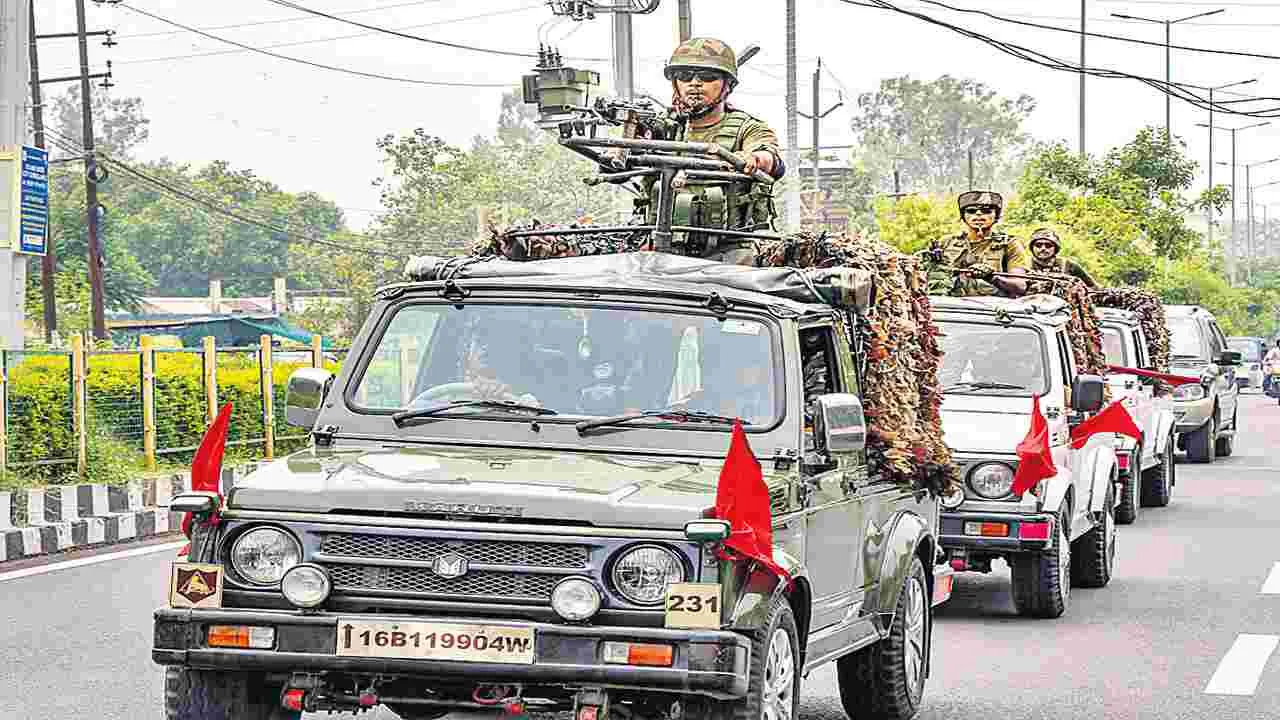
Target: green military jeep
[[508, 505]]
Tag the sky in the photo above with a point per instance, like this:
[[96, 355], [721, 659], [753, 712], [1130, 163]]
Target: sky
[[311, 129]]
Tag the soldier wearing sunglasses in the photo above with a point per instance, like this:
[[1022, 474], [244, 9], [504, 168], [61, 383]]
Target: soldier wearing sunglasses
[[966, 263], [1045, 246], [703, 72]]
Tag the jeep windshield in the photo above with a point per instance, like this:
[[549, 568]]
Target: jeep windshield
[[991, 359], [558, 363], [1185, 341]]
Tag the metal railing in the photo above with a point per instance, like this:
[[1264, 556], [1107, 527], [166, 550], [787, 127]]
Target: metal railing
[[154, 401]]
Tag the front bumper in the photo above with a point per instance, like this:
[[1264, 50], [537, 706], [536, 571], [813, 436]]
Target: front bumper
[[707, 662], [954, 536], [1190, 415]]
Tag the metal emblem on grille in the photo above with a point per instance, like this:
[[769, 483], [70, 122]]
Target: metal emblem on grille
[[450, 565], [449, 508]]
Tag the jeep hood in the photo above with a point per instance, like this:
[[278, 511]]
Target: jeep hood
[[986, 424], [574, 487]]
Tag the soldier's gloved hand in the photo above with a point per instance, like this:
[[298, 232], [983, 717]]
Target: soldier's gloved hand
[[758, 160], [981, 272]]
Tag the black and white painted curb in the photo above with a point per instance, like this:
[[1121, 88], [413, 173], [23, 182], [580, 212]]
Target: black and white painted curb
[[63, 517]]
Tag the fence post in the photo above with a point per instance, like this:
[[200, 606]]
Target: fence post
[[146, 347], [210, 379], [268, 399], [317, 351], [78, 409]]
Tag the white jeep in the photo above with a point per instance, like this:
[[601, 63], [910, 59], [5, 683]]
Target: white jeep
[[1000, 353], [1147, 472]]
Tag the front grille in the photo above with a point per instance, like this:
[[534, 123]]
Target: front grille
[[477, 552], [479, 584]]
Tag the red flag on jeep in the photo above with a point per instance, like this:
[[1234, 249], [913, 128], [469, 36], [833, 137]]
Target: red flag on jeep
[[1114, 418], [742, 498], [206, 466], [1035, 459]]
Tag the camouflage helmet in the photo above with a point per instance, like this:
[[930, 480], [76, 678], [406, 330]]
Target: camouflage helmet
[[981, 197], [703, 54], [1047, 235]]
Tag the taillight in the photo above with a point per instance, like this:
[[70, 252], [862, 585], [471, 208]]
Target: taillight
[[1034, 530], [1122, 460], [986, 529]]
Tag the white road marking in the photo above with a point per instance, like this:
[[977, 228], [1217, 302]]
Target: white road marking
[[81, 562], [1242, 666], [1272, 585]]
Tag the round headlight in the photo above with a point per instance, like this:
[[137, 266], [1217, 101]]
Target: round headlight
[[306, 585], [575, 599], [991, 480], [953, 500], [642, 574], [263, 555], [1189, 391]]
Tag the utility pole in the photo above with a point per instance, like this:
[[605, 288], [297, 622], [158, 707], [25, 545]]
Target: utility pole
[[1232, 244], [1168, 58], [791, 185], [1248, 192], [14, 73], [623, 56], [91, 181], [684, 20], [1209, 211], [1082, 66], [49, 262], [816, 117]]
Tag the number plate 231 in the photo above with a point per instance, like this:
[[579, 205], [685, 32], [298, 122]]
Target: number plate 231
[[694, 606]]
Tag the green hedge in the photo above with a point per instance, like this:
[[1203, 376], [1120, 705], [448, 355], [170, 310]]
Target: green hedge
[[41, 426]]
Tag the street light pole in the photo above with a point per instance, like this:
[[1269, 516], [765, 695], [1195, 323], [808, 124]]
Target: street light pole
[[1209, 211], [1168, 58], [1082, 38]]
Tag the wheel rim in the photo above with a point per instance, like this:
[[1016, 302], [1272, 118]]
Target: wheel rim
[[914, 625], [1064, 563], [779, 677], [1135, 478]]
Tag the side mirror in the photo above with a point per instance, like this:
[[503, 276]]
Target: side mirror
[[707, 530], [307, 390], [840, 423], [1229, 358], [196, 503], [1087, 393]]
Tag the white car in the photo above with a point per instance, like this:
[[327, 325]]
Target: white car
[[1146, 468]]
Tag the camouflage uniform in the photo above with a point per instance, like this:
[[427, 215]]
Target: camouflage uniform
[[736, 131], [998, 252], [1058, 265]]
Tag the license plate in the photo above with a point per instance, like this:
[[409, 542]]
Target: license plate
[[436, 641], [693, 606]]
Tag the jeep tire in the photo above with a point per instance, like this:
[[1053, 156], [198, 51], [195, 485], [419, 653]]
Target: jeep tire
[[1224, 445], [1094, 555], [215, 695], [1042, 580], [1200, 443], [1127, 507], [885, 681], [1157, 483], [773, 680]]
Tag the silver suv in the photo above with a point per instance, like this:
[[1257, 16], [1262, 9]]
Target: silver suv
[[1206, 413]]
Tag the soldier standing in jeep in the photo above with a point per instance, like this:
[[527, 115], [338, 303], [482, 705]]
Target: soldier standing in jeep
[[978, 260]]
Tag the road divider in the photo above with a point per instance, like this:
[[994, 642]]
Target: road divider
[[42, 521]]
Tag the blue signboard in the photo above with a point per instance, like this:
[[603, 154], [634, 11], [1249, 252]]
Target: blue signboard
[[33, 209]]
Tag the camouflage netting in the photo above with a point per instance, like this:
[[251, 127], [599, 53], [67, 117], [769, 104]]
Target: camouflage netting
[[1086, 337], [1150, 311], [901, 393]]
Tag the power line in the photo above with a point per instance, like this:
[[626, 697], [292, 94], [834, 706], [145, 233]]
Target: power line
[[278, 21], [360, 73], [419, 38], [1103, 36], [296, 43], [1182, 91]]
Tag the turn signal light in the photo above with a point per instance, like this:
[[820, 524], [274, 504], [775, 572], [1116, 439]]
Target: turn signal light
[[242, 636], [1122, 461], [987, 529], [638, 654], [1033, 531], [589, 712]]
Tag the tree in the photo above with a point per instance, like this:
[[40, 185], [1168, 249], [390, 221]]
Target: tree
[[119, 125], [926, 130]]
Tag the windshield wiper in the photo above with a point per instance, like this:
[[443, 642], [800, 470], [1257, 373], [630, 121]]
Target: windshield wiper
[[983, 386], [406, 416], [668, 414]]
